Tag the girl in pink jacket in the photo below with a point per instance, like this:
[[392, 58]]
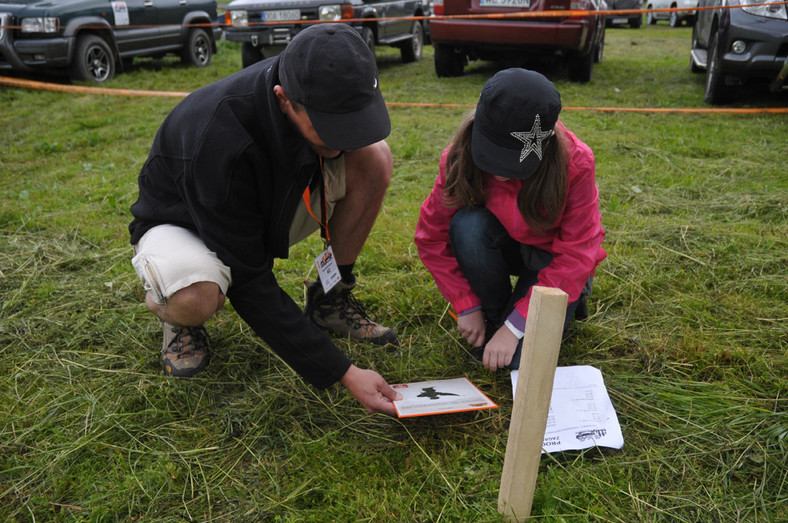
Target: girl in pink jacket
[[516, 195]]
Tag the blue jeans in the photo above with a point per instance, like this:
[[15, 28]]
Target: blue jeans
[[488, 256]]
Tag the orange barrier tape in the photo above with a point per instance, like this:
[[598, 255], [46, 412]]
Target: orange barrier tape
[[570, 13], [46, 86]]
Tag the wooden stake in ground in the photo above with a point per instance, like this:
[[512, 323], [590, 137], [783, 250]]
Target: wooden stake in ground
[[543, 332]]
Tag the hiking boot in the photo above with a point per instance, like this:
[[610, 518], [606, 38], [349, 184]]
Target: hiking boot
[[340, 312], [185, 350]]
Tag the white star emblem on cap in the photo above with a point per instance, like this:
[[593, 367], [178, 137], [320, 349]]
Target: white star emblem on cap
[[532, 140]]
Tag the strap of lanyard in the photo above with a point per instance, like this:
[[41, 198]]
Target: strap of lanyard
[[307, 196]]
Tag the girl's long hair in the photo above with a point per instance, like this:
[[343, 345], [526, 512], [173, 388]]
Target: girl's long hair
[[541, 197]]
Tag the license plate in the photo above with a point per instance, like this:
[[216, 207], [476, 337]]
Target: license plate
[[504, 3], [281, 15], [619, 20]]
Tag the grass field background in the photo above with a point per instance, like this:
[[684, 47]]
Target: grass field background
[[688, 322]]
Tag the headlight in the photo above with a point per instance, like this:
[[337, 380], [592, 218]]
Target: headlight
[[330, 12], [239, 18], [769, 11], [40, 24]]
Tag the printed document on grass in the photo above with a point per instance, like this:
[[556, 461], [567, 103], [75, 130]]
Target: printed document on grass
[[581, 413], [425, 398]]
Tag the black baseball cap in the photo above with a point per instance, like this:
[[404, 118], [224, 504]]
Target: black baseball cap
[[329, 70], [514, 120]]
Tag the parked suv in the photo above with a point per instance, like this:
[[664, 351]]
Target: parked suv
[[91, 39], [745, 44], [579, 40], [265, 27], [633, 20]]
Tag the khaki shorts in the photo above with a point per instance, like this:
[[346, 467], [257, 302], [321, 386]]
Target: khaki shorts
[[169, 258]]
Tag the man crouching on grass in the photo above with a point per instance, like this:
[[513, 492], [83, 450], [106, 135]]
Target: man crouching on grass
[[224, 191]]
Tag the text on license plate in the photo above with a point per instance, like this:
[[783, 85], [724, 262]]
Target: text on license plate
[[504, 3], [283, 14]]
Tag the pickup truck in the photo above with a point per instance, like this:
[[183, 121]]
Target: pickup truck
[[92, 39], [265, 27]]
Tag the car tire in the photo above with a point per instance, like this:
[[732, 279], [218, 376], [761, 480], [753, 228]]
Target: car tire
[[448, 62], [369, 38], [93, 60], [197, 50], [674, 19], [412, 50], [599, 50], [695, 45], [716, 92], [250, 54], [582, 66], [650, 18]]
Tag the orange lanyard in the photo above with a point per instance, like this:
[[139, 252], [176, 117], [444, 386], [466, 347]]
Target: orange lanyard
[[307, 196]]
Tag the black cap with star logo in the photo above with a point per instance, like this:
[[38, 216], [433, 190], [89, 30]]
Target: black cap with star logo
[[514, 122]]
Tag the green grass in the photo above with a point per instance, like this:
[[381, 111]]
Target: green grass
[[688, 323]]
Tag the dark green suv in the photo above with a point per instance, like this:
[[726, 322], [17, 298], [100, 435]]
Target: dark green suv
[[91, 39]]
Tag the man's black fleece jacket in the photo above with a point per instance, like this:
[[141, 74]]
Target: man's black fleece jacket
[[228, 165]]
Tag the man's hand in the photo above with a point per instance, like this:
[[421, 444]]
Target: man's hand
[[471, 326], [371, 390], [500, 349]]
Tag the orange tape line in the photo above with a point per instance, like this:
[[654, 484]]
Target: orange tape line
[[46, 86]]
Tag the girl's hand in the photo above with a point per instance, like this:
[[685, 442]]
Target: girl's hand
[[471, 326], [500, 349]]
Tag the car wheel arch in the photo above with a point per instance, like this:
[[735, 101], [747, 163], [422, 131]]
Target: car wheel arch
[[195, 18], [369, 18], [89, 25], [93, 25]]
